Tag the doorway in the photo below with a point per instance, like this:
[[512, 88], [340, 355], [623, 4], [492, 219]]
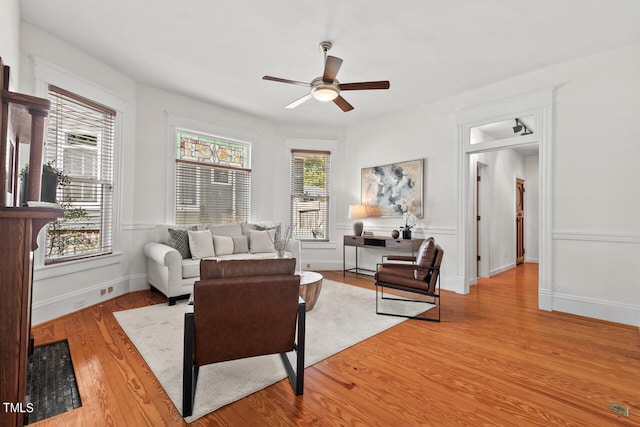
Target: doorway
[[539, 105]]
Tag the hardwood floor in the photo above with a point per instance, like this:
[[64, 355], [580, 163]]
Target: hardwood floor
[[495, 359]]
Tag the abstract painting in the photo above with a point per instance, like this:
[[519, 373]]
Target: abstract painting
[[393, 189]]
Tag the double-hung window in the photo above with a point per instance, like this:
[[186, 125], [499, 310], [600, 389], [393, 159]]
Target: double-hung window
[[213, 180], [80, 143], [310, 190]]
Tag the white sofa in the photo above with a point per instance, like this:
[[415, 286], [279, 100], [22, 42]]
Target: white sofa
[[169, 272]]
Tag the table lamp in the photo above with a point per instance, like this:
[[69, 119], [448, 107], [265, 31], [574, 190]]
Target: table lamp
[[357, 212]]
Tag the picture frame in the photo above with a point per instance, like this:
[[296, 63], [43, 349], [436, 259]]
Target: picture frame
[[391, 190]]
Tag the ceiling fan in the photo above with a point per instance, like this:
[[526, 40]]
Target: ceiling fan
[[327, 87]]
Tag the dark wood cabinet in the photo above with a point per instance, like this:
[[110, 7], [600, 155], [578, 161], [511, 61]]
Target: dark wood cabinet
[[22, 120]]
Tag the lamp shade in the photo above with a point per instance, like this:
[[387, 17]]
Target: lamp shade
[[357, 211]]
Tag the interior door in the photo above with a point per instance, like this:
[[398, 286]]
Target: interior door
[[519, 221]]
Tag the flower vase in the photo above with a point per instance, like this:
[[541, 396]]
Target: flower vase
[[280, 253], [406, 234]]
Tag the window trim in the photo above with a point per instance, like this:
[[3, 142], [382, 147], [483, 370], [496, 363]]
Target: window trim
[[176, 124], [108, 117], [45, 74], [330, 145]]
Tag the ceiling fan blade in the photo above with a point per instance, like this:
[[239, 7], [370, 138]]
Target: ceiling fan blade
[[343, 104], [297, 102], [383, 84], [331, 67], [278, 79]]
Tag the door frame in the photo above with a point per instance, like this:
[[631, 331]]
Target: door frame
[[483, 232], [540, 105], [520, 235]]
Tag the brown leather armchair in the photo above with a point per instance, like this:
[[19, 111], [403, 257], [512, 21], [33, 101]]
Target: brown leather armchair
[[417, 275], [243, 308]]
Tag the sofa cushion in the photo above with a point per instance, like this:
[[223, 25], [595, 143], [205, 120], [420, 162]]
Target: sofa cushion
[[240, 244], [162, 235], [260, 241], [201, 244], [223, 245], [246, 228], [179, 240], [190, 268], [225, 229]]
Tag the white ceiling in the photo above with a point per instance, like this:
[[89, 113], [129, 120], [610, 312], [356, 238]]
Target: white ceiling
[[218, 50]]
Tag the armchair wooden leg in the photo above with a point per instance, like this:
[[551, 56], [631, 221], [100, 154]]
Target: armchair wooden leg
[[189, 371]]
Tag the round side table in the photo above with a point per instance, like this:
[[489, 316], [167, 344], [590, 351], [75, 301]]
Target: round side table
[[310, 287]]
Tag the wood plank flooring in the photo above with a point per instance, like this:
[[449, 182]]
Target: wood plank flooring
[[494, 360]]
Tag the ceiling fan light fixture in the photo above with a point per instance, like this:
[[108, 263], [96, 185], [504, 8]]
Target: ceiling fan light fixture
[[324, 93]]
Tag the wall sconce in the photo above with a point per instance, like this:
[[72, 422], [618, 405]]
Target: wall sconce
[[357, 212]]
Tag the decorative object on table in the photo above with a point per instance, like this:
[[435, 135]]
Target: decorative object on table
[[367, 233], [409, 222], [391, 190], [357, 212], [280, 239], [395, 234]]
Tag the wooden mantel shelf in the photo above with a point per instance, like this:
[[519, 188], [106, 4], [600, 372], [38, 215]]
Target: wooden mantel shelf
[[39, 217]]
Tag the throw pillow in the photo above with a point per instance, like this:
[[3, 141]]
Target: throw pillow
[[180, 242], [201, 244], [260, 241], [240, 244], [222, 245]]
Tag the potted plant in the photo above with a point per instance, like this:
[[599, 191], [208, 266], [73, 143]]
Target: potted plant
[[52, 177], [409, 222]]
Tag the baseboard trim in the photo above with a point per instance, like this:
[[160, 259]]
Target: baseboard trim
[[502, 269], [61, 305], [611, 311]]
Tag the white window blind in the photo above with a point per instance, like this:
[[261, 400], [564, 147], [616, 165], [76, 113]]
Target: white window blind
[[310, 188], [80, 143], [213, 184]]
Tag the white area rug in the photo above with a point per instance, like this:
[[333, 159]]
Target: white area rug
[[343, 316]]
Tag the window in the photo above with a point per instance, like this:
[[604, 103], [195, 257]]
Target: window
[[80, 143], [213, 182], [310, 179]]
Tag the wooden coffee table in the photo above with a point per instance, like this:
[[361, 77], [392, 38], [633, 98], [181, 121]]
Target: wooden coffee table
[[310, 286]]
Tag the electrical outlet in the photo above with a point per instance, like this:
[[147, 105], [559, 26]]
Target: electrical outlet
[[308, 265], [110, 289], [620, 409], [103, 291]]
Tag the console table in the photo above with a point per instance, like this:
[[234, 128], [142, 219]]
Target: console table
[[379, 242]]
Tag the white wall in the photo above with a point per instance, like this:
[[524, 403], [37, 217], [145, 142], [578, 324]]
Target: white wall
[[596, 234], [10, 39], [145, 157], [596, 237], [60, 289]]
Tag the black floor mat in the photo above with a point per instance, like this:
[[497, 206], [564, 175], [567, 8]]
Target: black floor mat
[[51, 382]]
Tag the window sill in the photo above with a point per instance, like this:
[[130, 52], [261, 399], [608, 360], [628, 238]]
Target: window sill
[[318, 245], [75, 266]]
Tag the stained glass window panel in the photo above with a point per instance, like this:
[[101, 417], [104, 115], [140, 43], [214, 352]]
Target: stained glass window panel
[[202, 149]]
